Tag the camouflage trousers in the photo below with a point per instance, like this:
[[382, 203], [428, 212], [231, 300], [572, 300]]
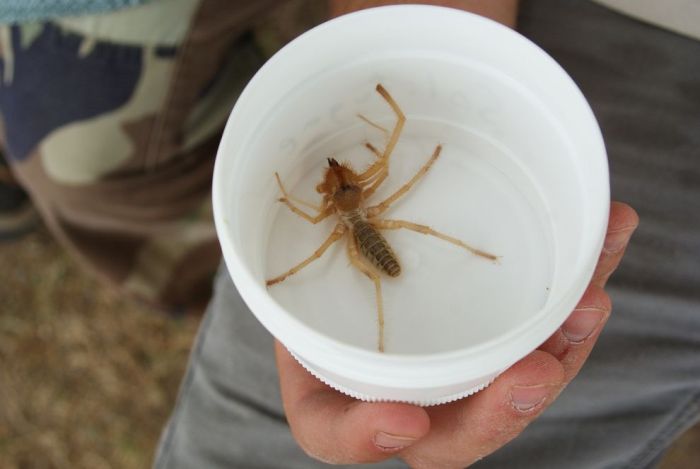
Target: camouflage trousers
[[111, 123]]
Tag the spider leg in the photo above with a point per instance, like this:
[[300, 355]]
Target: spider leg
[[357, 261], [382, 206], [324, 210], [337, 233], [426, 230]]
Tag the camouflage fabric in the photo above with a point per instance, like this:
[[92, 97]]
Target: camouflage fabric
[[113, 133], [24, 10]]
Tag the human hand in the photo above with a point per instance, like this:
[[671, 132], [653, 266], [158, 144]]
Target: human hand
[[335, 428]]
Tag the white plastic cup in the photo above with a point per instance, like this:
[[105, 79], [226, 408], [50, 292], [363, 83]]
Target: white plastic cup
[[523, 175]]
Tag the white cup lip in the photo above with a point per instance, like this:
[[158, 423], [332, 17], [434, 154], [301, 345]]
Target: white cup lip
[[387, 369]]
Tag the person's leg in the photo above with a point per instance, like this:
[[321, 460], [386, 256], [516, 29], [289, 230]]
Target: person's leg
[[111, 123], [641, 386]]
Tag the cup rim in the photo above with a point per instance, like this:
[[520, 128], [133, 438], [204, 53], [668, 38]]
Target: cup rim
[[386, 369]]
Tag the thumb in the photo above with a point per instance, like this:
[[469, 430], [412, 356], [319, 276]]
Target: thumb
[[338, 429]]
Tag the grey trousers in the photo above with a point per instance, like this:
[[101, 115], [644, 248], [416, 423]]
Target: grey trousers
[[641, 386]]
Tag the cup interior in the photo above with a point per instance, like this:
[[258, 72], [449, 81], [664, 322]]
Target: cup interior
[[521, 175]]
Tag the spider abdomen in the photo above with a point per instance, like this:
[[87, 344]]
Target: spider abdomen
[[375, 247]]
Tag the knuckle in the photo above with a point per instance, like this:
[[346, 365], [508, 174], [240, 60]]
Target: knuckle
[[596, 296]]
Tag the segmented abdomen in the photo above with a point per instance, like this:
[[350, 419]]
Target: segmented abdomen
[[375, 248]]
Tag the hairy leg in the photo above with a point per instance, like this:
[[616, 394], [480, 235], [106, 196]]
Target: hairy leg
[[317, 208], [382, 206], [373, 124], [324, 210], [375, 168], [357, 261], [424, 229], [337, 233], [401, 119]]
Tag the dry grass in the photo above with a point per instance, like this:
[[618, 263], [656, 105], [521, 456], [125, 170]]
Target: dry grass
[[87, 378]]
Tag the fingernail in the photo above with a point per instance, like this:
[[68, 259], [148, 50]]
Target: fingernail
[[389, 442], [617, 240], [582, 323], [527, 398]]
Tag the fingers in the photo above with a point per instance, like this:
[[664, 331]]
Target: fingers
[[574, 340], [622, 223], [338, 429], [467, 430]]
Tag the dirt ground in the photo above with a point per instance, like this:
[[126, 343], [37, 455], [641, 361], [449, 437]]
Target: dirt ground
[[88, 379]]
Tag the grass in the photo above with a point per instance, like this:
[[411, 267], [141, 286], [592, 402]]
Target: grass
[[88, 379]]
